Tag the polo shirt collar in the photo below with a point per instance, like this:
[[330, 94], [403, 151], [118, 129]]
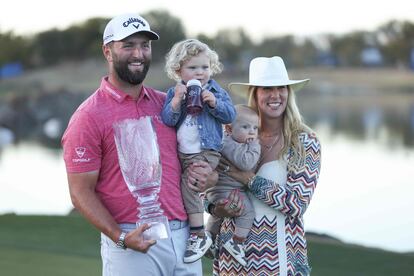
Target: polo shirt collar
[[117, 94]]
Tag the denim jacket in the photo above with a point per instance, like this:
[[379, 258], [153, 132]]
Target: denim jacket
[[209, 121]]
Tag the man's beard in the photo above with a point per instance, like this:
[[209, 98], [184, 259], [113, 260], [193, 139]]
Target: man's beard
[[134, 78]]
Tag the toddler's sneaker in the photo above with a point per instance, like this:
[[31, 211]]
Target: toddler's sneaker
[[196, 247], [236, 250]]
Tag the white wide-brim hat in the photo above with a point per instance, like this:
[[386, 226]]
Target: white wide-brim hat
[[267, 72], [125, 25]]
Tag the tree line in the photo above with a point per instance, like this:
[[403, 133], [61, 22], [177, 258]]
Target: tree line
[[394, 40]]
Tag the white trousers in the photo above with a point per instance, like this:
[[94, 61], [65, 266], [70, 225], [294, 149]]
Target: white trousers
[[162, 259]]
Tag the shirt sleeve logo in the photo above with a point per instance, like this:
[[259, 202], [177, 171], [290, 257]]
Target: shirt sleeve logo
[[80, 152]]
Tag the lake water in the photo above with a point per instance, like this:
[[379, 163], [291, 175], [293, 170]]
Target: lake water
[[33, 181], [364, 194]]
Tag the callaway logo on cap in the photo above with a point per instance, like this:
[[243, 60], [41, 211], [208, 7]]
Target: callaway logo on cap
[[125, 25]]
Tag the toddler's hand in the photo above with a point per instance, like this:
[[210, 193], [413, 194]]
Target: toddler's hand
[[209, 98], [179, 95]]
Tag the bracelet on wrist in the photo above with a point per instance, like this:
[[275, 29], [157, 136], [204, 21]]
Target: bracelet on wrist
[[251, 179], [121, 241]]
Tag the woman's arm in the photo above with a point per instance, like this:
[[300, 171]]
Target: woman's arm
[[294, 198]]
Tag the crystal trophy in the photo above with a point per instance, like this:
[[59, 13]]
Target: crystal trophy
[[139, 160]]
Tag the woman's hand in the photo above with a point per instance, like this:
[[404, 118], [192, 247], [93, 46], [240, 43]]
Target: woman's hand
[[228, 168], [232, 206], [201, 176]]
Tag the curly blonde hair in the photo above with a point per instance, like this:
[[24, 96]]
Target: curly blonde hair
[[293, 126], [183, 51]]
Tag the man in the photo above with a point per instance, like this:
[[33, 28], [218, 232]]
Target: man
[[96, 185]]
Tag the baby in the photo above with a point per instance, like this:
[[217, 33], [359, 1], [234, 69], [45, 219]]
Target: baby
[[241, 147]]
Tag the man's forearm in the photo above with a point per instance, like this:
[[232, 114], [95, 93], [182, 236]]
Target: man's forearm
[[91, 207]]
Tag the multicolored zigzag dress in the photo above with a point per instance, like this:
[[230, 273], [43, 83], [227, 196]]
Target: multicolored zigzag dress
[[276, 244]]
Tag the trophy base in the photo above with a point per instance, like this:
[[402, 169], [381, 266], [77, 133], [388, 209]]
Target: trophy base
[[160, 228]]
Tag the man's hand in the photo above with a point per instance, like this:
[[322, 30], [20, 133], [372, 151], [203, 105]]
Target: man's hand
[[135, 240], [201, 176]]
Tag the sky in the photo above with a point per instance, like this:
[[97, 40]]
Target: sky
[[258, 18]]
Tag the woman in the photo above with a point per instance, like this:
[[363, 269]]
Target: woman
[[283, 184]]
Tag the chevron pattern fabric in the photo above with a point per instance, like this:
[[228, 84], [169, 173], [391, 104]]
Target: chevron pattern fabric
[[262, 254]]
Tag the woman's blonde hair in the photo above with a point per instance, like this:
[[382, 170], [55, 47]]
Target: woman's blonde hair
[[293, 126], [183, 51]]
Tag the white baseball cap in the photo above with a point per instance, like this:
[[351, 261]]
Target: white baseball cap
[[125, 25]]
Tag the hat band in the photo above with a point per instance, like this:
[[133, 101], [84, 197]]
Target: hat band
[[271, 82]]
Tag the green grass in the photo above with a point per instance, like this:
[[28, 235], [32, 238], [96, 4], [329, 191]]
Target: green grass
[[69, 235], [55, 245], [16, 262], [344, 260]]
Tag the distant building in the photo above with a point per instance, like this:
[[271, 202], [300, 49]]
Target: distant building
[[371, 56], [327, 59], [10, 70], [412, 59], [6, 137]]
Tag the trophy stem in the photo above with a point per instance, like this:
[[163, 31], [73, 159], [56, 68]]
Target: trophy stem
[[152, 214], [150, 210]]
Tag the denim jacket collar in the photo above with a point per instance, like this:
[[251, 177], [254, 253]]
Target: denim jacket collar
[[212, 86]]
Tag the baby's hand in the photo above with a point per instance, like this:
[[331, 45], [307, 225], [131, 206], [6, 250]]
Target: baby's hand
[[249, 140], [179, 95], [209, 98]]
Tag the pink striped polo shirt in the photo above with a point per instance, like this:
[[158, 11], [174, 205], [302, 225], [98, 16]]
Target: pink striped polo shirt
[[89, 145]]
